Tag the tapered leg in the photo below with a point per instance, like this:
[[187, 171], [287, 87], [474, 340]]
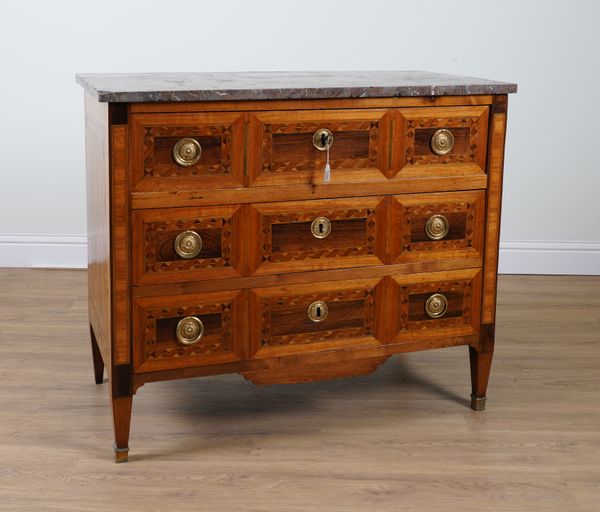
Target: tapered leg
[[481, 363], [97, 357], [122, 421]]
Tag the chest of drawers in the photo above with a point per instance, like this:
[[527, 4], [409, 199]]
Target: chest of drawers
[[218, 245]]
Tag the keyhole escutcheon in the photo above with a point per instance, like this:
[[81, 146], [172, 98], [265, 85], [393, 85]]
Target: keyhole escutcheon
[[323, 139], [318, 311], [320, 227]]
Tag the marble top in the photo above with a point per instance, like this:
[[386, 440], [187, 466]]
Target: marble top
[[280, 85]]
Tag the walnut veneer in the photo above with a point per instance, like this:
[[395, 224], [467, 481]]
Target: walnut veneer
[[216, 245]]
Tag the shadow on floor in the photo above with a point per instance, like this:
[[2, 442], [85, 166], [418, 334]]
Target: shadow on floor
[[238, 397], [195, 402]]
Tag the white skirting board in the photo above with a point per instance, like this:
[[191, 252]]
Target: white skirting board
[[43, 251], [549, 257], [516, 257]]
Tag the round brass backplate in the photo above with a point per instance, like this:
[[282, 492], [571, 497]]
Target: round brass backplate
[[189, 330], [320, 227], [318, 311], [187, 152], [442, 142], [436, 306], [437, 227], [188, 244], [322, 139]]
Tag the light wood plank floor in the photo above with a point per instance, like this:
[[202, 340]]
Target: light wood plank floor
[[402, 438]]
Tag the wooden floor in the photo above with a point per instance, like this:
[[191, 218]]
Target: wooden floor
[[403, 438]]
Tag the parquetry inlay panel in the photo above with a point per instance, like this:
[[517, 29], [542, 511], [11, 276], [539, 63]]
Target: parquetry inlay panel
[[463, 214], [426, 210], [153, 229], [414, 131], [412, 125], [272, 304], [270, 129], [405, 291], [320, 250], [219, 131], [220, 342]]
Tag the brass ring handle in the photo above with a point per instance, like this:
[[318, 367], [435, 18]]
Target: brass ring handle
[[187, 152], [442, 142], [188, 244], [318, 311], [436, 306], [189, 330], [320, 227], [437, 227], [323, 139]]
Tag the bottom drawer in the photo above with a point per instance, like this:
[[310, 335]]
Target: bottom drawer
[[188, 330], [209, 328]]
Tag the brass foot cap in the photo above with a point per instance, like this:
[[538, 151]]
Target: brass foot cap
[[121, 454], [478, 403]]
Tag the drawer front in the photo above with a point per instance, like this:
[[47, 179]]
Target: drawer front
[[281, 146], [316, 235], [172, 152], [188, 330], [434, 226], [309, 318], [438, 304], [440, 141], [183, 244]]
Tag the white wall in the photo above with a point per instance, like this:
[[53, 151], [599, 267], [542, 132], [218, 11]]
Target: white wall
[[551, 217]]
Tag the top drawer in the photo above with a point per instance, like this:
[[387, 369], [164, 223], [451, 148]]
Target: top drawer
[[195, 152], [187, 151]]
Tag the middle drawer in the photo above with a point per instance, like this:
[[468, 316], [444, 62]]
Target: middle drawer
[[189, 244]]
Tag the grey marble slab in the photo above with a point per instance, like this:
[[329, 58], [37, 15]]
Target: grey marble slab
[[280, 85]]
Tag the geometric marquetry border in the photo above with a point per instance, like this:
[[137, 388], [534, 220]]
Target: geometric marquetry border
[[271, 304], [269, 129], [267, 221], [223, 167], [207, 345], [153, 228]]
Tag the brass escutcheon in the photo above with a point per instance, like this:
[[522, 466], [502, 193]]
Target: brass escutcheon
[[442, 142], [320, 227], [187, 152], [188, 244], [436, 306], [322, 139], [318, 311], [437, 227], [189, 330]]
